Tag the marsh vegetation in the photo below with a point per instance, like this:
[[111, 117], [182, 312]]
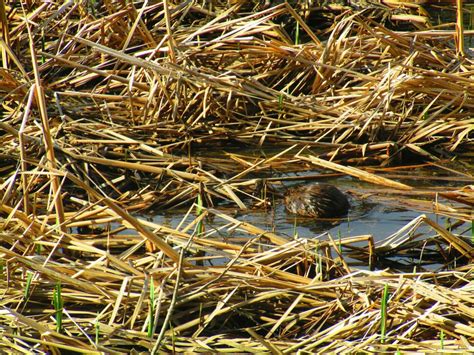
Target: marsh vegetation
[[138, 137]]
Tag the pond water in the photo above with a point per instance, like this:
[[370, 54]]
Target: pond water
[[443, 14], [376, 216], [376, 219]]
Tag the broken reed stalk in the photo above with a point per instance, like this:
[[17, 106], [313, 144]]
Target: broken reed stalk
[[48, 142]]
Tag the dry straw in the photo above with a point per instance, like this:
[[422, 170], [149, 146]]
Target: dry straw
[[110, 110]]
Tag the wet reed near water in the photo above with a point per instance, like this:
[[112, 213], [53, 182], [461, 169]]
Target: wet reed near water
[[110, 110]]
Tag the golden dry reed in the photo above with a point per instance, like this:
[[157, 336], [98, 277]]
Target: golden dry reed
[[115, 111]]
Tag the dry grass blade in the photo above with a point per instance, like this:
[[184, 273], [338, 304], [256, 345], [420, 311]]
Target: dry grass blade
[[51, 339]]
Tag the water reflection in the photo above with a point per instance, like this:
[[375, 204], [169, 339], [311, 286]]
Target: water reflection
[[363, 218]]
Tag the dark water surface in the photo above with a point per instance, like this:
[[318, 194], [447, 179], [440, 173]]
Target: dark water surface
[[443, 14], [368, 215]]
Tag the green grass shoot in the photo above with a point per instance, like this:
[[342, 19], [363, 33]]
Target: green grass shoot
[[151, 314], [383, 314], [297, 33], [58, 306], [29, 279]]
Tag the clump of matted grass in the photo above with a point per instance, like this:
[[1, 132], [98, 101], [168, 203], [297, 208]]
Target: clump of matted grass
[[288, 295], [120, 109], [105, 108]]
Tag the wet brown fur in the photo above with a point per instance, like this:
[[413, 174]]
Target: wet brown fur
[[316, 200]]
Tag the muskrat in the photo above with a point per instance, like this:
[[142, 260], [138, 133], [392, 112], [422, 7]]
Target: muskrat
[[316, 200]]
